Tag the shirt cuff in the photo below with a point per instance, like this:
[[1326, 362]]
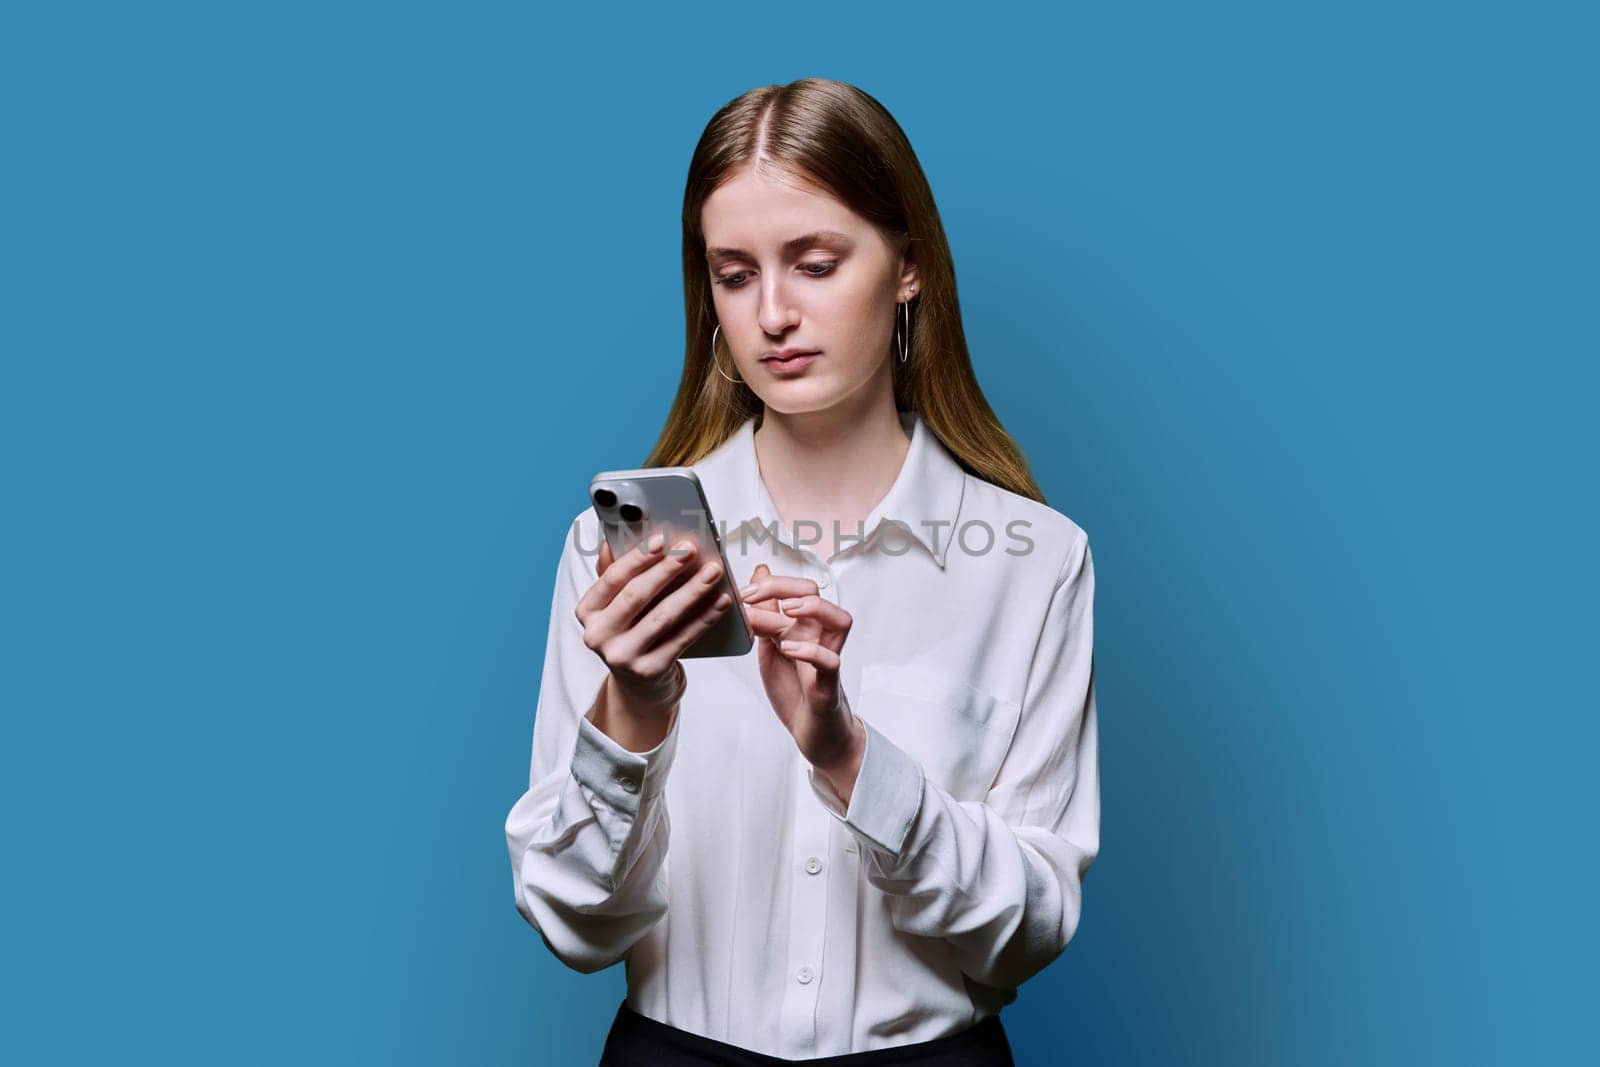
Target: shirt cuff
[[620, 777], [885, 799]]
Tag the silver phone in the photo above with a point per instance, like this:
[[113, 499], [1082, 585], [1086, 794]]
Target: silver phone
[[633, 505]]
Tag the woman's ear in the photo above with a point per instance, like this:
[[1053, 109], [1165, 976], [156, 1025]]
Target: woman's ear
[[910, 278]]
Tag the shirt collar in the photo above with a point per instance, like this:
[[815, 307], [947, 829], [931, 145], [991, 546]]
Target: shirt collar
[[925, 497]]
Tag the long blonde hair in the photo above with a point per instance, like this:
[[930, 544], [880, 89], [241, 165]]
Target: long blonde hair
[[843, 140]]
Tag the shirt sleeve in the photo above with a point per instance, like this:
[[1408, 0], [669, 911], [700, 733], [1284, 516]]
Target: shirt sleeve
[[1002, 879], [589, 837]]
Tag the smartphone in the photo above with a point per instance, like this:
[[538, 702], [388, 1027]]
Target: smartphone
[[634, 505]]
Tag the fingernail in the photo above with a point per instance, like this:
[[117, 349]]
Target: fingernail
[[747, 590], [657, 539]]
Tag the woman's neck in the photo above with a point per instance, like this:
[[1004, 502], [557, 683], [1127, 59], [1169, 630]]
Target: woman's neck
[[830, 466]]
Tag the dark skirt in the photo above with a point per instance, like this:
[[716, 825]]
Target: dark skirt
[[638, 1041]]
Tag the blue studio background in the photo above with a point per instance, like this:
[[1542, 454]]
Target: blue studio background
[[307, 311]]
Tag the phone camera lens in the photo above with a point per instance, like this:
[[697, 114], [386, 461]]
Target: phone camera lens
[[631, 512], [605, 498]]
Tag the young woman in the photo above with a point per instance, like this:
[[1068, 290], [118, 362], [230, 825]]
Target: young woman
[[865, 836]]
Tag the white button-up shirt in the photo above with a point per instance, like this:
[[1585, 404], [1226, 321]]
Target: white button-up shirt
[[750, 905]]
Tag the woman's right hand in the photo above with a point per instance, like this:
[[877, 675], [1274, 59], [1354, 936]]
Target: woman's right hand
[[641, 648]]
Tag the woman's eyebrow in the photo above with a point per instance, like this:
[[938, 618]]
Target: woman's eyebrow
[[789, 247]]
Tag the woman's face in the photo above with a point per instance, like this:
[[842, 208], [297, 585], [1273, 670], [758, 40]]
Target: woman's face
[[791, 267]]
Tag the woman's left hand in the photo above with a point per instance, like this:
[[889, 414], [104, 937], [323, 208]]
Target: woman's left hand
[[799, 657]]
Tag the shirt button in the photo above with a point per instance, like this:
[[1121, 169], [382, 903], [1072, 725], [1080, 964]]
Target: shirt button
[[813, 865], [628, 784], [822, 581], [804, 976]]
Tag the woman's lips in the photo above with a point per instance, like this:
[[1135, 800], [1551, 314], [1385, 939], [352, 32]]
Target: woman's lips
[[793, 363]]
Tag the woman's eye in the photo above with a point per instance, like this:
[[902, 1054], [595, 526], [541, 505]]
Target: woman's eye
[[736, 279]]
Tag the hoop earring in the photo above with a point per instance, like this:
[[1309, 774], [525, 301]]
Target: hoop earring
[[716, 362], [903, 341]]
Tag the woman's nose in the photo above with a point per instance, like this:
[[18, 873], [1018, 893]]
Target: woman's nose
[[777, 313]]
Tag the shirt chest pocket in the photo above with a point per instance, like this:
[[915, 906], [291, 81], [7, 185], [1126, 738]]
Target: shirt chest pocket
[[958, 733]]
